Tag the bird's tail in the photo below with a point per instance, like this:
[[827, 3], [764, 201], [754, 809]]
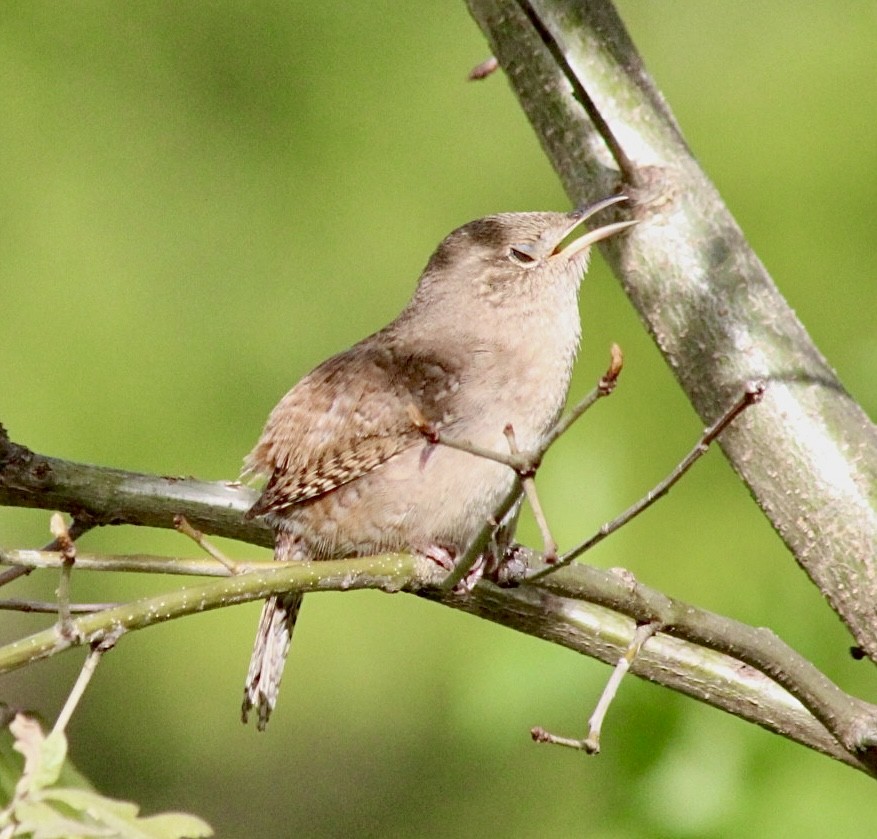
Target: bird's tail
[[269, 655]]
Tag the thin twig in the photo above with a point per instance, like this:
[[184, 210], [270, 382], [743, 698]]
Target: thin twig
[[591, 743], [467, 562], [12, 574], [549, 545], [483, 70], [540, 735], [751, 395], [89, 666], [76, 529], [182, 525], [45, 606], [604, 387], [68, 554], [516, 462], [524, 464], [136, 563], [595, 723]]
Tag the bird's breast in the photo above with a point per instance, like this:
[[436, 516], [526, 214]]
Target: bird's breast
[[520, 376]]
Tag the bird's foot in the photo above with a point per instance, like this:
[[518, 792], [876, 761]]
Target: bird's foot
[[446, 558]]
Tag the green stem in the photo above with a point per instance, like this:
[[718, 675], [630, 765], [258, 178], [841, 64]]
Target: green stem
[[390, 573]]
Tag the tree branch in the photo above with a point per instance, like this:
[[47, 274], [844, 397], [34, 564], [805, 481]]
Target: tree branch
[[97, 495], [809, 454], [712, 677], [390, 573], [570, 608]]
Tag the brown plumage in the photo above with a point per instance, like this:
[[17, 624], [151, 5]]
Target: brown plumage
[[488, 339]]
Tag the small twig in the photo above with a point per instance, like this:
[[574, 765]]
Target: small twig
[[524, 465], [76, 529], [595, 724], [540, 735], [751, 396], [89, 666], [605, 386], [591, 743], [549, 545], [67, 549], [479, 544], [46, 606], [136, 563], [483, 70], [517, 462], [182, 525], [11, 574], [523, 462]]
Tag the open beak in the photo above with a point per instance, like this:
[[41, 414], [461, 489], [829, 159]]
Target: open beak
[[577, 217]]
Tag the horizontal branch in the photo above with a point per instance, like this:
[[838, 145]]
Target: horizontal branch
[[136, 563], [98, 495], [568, 608], [392, 572]]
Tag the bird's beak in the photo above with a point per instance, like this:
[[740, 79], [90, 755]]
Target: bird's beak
[[569, 248]]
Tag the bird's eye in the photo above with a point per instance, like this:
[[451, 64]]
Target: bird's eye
[[522, 255]]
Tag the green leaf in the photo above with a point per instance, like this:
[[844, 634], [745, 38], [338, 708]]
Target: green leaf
[[176, 826], [92, 804], [122, 816], [43, 756], [43, 811], [53, 754], [38, 820]]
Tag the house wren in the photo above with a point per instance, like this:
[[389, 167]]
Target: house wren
[[487, 340]]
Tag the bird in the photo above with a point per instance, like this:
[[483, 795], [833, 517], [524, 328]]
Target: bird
[[487, 341]]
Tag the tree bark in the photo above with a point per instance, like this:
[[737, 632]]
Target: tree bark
[[747, 672], [808, 452]]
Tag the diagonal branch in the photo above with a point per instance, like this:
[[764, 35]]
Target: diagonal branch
[[753, 393], [810, 455], [851, 720]]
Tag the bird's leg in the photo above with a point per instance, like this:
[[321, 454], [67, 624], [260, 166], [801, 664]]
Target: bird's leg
[[446, 558]]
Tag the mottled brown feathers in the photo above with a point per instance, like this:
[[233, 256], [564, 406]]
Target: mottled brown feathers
[[346, 418], [487, 340]]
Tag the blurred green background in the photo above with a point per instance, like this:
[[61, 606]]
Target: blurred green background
[[199, 202]]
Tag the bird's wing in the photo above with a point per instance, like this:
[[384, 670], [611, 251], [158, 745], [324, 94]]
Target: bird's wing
[[347, 417]]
